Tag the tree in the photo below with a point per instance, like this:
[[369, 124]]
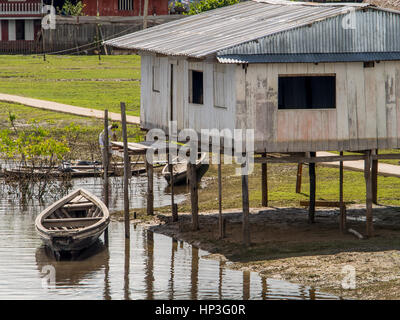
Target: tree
[[205, 5]]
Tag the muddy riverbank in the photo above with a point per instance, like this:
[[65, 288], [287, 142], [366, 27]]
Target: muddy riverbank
[[284, 246]]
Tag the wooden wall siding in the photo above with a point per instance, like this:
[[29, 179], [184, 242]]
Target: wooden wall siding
[[366, 115], [155, 107]]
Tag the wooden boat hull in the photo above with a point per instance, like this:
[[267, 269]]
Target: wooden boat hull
[[180, 178], [73, 223], [70, 242], [180, 172]]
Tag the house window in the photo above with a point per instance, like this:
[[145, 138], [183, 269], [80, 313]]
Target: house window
[[196, 92], [156, 75], [219, 86], [125, 5], [19, 29], [307, 92]]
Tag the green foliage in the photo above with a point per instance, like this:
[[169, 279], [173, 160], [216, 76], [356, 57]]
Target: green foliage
[[205, 5], [32, 144], [71, 9]]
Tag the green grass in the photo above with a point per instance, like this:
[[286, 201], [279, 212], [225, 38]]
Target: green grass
[[83, 81], [83, 141]]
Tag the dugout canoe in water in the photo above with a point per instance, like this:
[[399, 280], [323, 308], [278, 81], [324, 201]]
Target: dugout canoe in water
[[73, 223]]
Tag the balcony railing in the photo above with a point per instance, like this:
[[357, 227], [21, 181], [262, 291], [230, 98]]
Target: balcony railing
[[20, 8]]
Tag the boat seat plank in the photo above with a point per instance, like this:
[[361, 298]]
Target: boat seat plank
[[70, 222]]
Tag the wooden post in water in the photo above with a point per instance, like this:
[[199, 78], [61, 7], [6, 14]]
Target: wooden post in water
[[127, 170], [150, 188], [264, 183], [311, 208], [368, 183], [194, 199], [174, 207], [245, 201], [342, 207], [375, 179], [105, 168], [299, 176]]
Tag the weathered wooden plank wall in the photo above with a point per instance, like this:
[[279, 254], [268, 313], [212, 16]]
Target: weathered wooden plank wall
[[156, 106], [367, 114]]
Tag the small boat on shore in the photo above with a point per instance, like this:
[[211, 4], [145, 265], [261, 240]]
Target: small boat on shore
[[73, 223], [179, 169]]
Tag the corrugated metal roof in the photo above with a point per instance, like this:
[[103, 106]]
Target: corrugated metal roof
[[234, 29], [309, 57]]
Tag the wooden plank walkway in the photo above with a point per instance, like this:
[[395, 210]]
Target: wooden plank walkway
[[384, 169], [65, 108]]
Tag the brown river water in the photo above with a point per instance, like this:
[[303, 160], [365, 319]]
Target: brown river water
[[148, 266]]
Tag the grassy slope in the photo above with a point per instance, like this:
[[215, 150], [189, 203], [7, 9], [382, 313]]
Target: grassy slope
[[83, 81]]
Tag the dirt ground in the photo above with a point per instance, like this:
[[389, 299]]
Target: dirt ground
[[285, 246]]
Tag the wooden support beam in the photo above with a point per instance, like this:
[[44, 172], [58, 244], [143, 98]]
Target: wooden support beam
[[368, 183], [342, 217], [220, 218], [106, 156], [246, 209], [299, 176], [311, 159], [264, 183], [311, 208], [127, 170], [150, 188], [375, 179], [194, 198], [174, 207]]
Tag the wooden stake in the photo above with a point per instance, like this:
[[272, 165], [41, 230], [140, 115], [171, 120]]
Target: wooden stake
[[368, 183], [220, 218], [264, 183], [299, 176], [105, 168], [127, 168], [311, 208], [342, 223], [150, 187], [145, 12], [174, 207], [246, 210], [375, 180], [191, 171]]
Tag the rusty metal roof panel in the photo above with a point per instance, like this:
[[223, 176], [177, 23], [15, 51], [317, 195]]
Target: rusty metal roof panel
[[247, 27]]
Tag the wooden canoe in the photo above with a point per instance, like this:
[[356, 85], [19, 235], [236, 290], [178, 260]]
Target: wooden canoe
[[73, 223], [179, 168]]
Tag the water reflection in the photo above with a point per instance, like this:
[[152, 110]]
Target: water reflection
[[146, 266]]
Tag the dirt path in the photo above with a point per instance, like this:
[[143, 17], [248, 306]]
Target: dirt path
[[384, 169], [65, 108]]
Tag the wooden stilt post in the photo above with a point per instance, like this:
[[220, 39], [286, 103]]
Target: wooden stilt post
[[220, 218], [342, 206], [368, 183], [375, 180], [246, 209], [174, 207], [105, 168], [127, 170], [264, 183], [299, 176], [191, 169], [150, 188], [311, 208]]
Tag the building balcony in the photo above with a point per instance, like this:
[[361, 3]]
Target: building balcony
[[20, 9]]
